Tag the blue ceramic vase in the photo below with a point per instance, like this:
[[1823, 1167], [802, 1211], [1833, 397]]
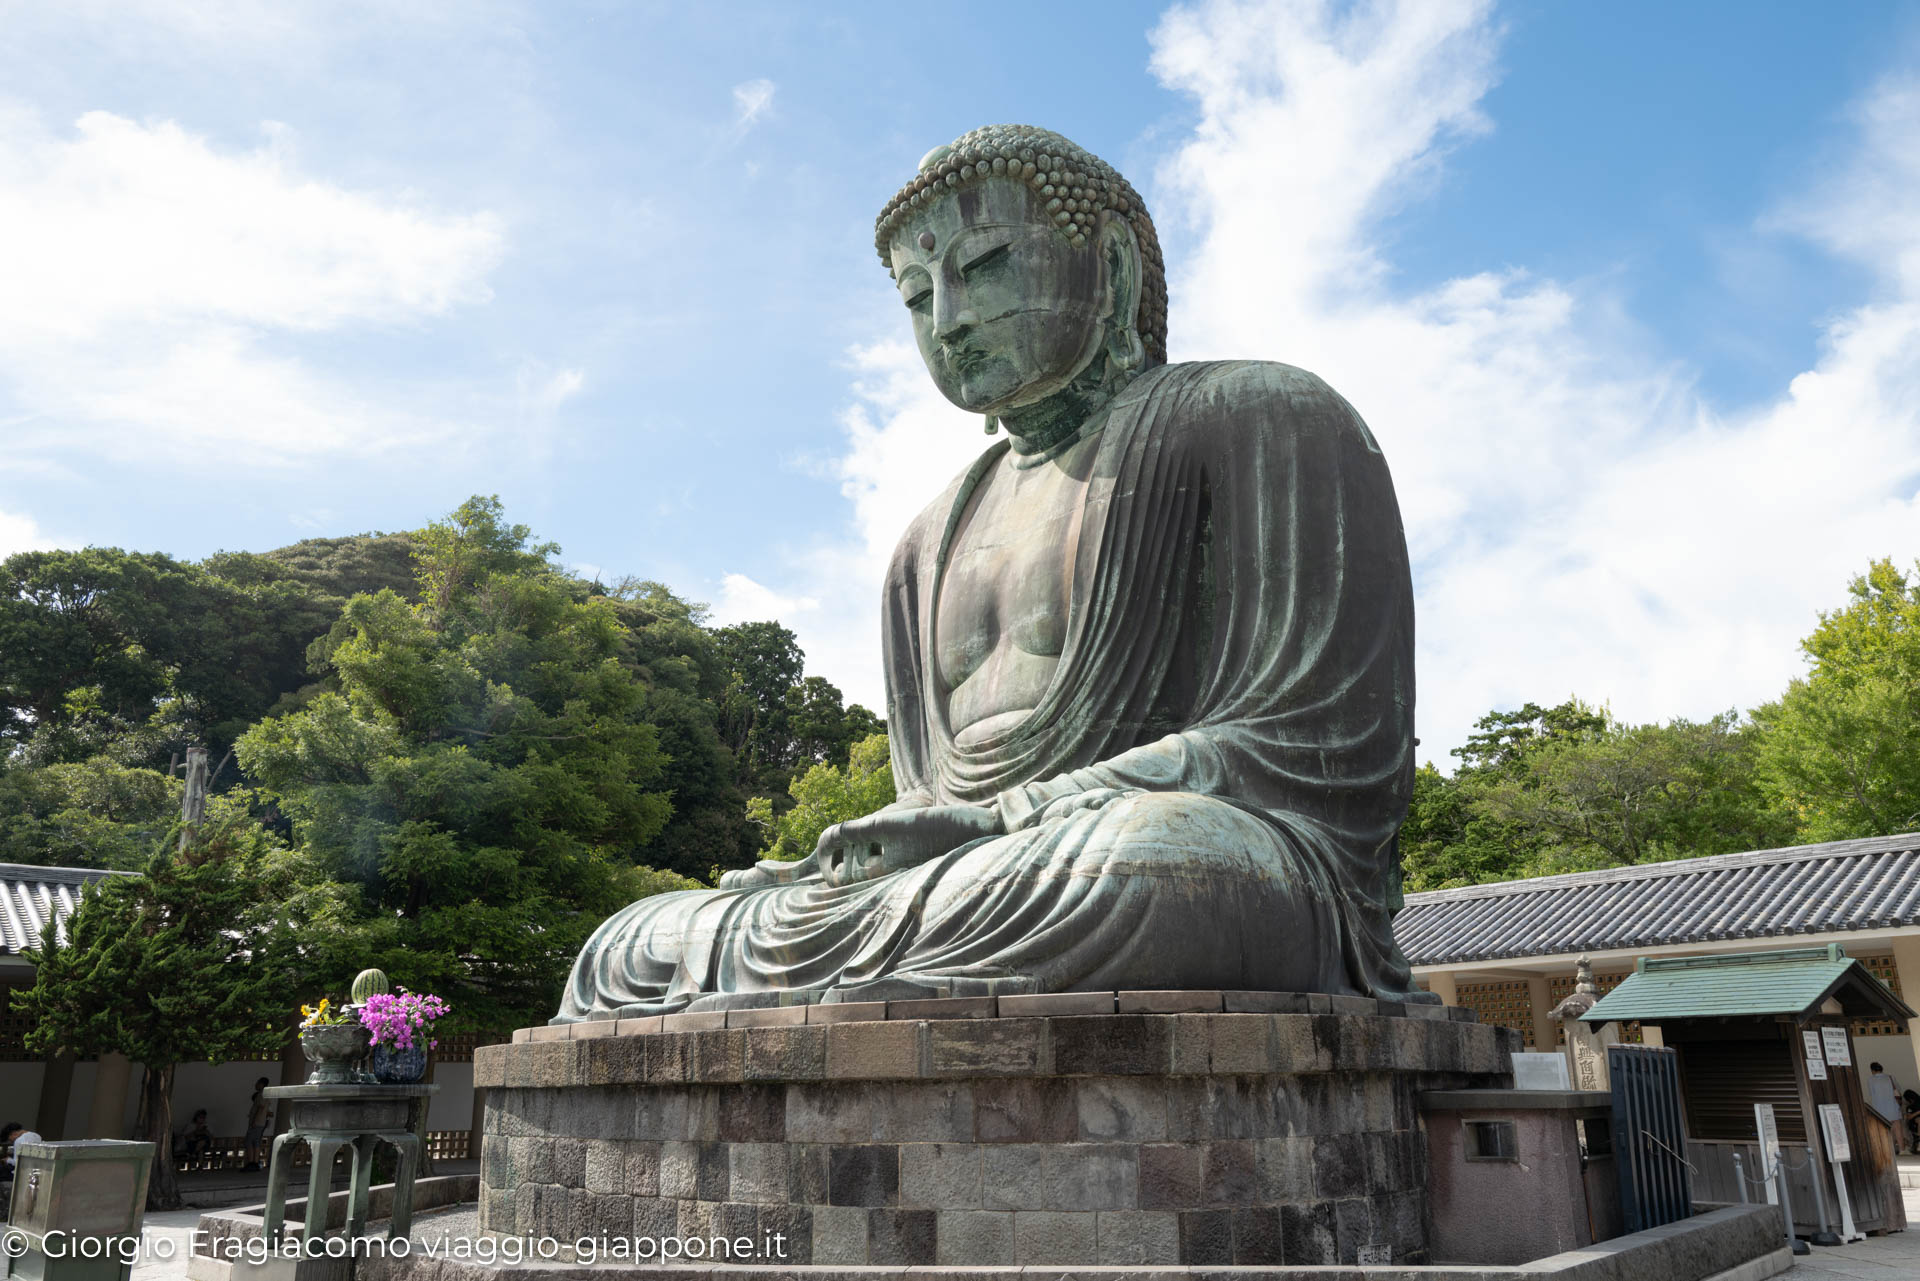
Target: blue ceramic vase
[[393, 1066]]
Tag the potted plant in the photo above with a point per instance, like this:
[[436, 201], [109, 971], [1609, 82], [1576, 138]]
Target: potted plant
[[400, 1025], [331, 1041]]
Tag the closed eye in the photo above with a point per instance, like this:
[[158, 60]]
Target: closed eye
[[919, 298], [986, 259]]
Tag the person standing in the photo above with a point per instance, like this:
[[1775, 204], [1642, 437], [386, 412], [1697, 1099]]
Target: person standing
[[1883, 1095], [258, 1114]]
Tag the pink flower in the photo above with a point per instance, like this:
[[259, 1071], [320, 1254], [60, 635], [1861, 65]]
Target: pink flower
[[393, 1019]]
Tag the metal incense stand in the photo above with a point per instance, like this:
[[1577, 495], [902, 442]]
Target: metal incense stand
[[330, 1117]]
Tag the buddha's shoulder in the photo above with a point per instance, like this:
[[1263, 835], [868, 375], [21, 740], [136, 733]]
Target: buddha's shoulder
[[927, 529], [1228, 401]]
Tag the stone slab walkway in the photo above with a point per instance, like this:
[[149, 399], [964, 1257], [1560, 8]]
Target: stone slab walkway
[[1882, 1258]]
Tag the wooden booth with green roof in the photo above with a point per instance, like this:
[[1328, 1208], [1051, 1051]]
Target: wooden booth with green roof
[[1772, 1027]]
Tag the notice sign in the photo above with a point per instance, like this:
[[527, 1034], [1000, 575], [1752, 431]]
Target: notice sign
[[1834, 1126], [1811, 1040], [1835, 1039], [1769, 1132], [1816, 1068]]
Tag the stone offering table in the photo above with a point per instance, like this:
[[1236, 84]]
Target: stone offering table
[[1257, 1128], [329, 1117]]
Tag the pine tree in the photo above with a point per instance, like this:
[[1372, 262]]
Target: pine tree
[[192, 960]]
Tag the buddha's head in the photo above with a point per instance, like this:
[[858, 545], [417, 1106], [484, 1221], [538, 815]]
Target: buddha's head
[[1026, 264]]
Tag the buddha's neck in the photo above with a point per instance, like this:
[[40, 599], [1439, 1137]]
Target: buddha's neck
[[1047, 425]]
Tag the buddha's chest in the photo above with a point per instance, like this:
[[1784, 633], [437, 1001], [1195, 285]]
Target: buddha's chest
[[1009, 572]]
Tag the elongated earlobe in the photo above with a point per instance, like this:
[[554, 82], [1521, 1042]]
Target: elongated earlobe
[[1125, 351]]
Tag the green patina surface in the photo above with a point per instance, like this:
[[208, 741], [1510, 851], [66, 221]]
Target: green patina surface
[[1149, 659], [1793, 981]]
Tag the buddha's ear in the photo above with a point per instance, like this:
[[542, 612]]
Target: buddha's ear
[[1122, 251]]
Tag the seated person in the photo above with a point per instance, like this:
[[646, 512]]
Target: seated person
[[16, 1135], [8, 1132], [197, 1141], [1149, 661]]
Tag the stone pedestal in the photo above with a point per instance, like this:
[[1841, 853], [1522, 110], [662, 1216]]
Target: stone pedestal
[[1283, 1132]]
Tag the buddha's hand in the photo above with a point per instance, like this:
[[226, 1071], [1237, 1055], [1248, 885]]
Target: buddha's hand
[[893, 840], [1091, 799], [767, 872]]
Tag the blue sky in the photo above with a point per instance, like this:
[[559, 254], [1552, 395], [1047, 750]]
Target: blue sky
[[1630, 294]]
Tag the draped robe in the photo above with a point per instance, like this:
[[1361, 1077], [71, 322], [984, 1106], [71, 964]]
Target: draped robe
[[1207, 795]]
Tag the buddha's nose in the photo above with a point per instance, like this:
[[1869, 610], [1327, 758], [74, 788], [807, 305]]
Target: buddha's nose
[[952, 325]]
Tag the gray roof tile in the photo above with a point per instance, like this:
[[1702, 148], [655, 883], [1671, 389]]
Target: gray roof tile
[[1805, 889], [34, 898]]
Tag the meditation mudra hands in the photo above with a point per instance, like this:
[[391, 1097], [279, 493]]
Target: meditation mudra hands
[[892, 840], [864, 849]]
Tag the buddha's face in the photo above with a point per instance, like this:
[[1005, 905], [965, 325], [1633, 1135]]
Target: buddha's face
[[1005, 310]]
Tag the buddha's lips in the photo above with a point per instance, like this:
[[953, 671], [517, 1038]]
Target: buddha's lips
[[967, 359]]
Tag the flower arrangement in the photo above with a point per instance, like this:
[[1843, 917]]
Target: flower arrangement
[[325, 1016], [396, 1019]]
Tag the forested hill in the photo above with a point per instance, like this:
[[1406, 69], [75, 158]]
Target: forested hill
[[337, 664]]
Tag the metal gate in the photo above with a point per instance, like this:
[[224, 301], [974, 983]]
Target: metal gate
[[1647, 1136]]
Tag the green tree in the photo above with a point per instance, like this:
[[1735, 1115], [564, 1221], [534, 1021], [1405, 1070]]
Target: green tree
[[90, 644], [678, 660], [1451, 835], [93, 813], [327, 568], [1447, 840], [137, 656], [776, 720], [460, 556], [483, 771], [1638, 794], [1840, 752], [193, 960], [1543, 790], [763, 662], [827, 794]]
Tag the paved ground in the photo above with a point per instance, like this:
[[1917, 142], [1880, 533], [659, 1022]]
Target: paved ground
[[1883, 1258], [165, 1245], [166, 1236]]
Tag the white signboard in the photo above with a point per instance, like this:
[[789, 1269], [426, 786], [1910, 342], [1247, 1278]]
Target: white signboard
[[1816, 1069], [1533, 1071], [1769, 1148], [1835, 1039], [1834, 1126], [1811, 1040]]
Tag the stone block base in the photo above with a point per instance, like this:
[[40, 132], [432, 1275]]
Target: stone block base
[[1122, 1139]]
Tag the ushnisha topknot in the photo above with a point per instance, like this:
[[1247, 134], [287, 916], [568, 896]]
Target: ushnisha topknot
[[1078, 185]]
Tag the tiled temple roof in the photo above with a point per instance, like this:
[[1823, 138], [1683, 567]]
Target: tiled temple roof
[[34, 899], [1806, 889]]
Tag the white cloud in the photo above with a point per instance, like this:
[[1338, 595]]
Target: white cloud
[[751, 99], [542, 391], [905, 441], [1581, 520], [742, 600], [146, 223], [150, 276], [18, 533]]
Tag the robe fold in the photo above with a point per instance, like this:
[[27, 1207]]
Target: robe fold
[[1208, 794]]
